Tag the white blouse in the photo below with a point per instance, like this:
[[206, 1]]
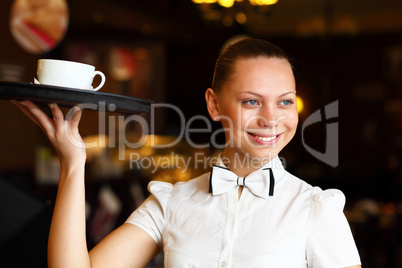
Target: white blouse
[[299, 226]]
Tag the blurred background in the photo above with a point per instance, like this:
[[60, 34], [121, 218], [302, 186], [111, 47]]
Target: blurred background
[[349, 51]]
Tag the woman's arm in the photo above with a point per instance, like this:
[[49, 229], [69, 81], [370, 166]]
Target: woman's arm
[[128, 246], [67, 237]]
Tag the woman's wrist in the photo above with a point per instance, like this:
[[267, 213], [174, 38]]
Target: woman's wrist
[[72, 165]]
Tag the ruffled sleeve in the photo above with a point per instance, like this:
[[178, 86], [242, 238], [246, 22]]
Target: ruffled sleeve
[[150, 216], [329, 239]]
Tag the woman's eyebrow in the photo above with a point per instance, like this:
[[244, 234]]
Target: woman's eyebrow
[[258, 95], [253, 93], [291, 92]]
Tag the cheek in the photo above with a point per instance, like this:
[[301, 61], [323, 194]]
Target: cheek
[[295, 120], [239, 119], [292, 119], [249, 120]]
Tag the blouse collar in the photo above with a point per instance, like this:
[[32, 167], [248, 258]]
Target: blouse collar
[[275, 164]]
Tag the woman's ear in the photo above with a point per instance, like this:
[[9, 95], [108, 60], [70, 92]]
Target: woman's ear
[[212, 104]]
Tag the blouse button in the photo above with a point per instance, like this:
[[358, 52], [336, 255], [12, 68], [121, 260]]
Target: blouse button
[[223, 264]]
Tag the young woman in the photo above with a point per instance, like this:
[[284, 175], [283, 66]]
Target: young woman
[[247, 212]]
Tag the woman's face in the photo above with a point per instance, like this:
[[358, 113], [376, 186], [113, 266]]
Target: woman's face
[[257, 108]]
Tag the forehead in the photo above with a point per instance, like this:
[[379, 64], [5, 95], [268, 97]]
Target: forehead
[[262, 73], [268, 64]]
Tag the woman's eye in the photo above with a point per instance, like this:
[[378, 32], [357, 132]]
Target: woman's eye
[[251, 102], [286, 102]]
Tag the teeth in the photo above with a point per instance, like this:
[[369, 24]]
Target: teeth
[[265, 138]]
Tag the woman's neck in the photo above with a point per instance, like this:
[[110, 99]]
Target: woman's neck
[[243, 164]]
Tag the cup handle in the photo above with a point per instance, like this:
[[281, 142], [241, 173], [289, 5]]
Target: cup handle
[[102, 81]]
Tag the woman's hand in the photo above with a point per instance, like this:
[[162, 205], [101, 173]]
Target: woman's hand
[[63, 134]]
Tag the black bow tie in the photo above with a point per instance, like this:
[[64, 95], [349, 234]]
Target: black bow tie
[[260, 182]]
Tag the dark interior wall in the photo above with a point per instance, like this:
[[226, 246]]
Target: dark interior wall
[[18, 135]]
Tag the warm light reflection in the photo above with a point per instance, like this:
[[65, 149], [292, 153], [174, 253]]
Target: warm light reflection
[[263, 2], [227, 21], [229, 3], [226, 3], [300, 104], [241, 18], [204, 1]]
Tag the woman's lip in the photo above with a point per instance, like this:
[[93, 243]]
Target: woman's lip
[[263, 135], [265, 139]]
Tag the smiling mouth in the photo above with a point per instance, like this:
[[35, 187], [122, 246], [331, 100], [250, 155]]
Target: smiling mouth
[[267, 139]]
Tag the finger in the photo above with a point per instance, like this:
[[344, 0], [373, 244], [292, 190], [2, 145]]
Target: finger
[[72, 120], [58, 117], [75, 119], [22, 108], [44, 121]]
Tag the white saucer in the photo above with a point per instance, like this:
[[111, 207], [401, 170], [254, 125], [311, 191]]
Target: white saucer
[[89, 88]]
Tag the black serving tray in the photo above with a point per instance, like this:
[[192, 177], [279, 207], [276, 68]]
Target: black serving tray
[[70, 97]]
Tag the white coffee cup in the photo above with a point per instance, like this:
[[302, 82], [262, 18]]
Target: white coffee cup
[[68, 74]]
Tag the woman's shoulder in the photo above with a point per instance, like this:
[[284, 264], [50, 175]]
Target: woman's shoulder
[[318, 196], [328, 200], [290, 182], [329, 239]]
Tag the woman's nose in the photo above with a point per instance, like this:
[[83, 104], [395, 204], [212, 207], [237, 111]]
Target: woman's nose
[[268, 117]]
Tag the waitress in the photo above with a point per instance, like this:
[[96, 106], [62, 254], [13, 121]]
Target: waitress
[[247, 212]]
